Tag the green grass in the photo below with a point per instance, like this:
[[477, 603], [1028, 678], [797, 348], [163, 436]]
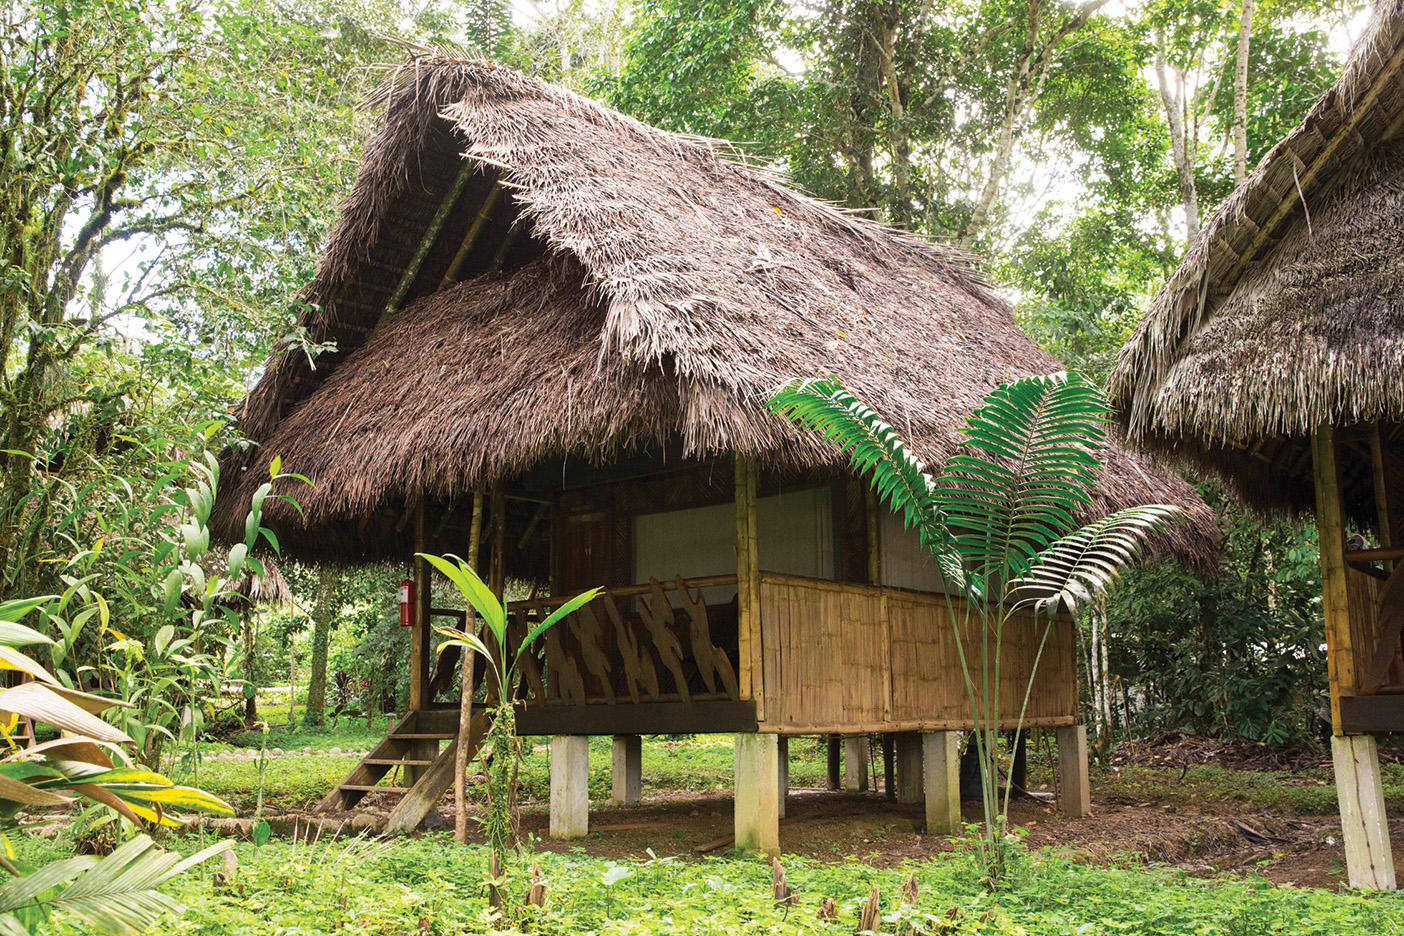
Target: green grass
[[431, 886], [1303, 793]]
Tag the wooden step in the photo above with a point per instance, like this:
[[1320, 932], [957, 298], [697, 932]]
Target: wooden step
[[392, 762], [422, 735], [373, 788]]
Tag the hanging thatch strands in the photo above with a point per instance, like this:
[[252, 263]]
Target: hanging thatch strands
[[1286, 312]]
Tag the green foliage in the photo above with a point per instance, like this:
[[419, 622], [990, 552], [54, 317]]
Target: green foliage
[[293, 888], [1238, 655]]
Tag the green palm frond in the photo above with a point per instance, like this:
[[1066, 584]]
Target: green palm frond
[[873, 447], [1086, 561], [116, 894], [1023, 472]]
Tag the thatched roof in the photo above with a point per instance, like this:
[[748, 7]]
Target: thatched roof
[[1288, 310], [630, 288]]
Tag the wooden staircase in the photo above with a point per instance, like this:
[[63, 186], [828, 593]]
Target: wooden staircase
[[423, 772]]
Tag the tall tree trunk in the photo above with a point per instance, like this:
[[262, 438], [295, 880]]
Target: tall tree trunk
[[465, 693], [1240, 94], [900, 211], [1180, 148], [316, 713]]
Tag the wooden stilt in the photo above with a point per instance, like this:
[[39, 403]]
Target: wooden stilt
[[627, 770], [1072, 771], [941, 781], [465, 690], [570, 786], [855, 763], [782, 754], [1369, 861], [1355, 758], [420, 660], [908, 763], [757, 817]]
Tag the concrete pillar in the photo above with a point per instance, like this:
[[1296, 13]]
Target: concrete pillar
[[627, 770], [782, 753], [855, 764], [758, 793], [570, 786], [941, 780], [908, 757], [1072, 771], [1356, 762]]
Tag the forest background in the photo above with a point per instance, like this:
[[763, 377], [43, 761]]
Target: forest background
[[169, 169]]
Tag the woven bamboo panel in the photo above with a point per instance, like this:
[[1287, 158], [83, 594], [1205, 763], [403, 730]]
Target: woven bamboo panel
[[1363, 594], [861, 658]]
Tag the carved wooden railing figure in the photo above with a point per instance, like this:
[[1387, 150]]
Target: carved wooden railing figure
[[607, 653]]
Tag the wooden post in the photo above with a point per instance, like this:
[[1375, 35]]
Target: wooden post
[[421, 672], [908, 765], [1369, 862], [889, 766], [757, 819], [421, 649], [855, 764], [835, 762], [497, 575], [1335, 604], [1072, 771], [748, 586], [782, 755], [570, 786], [627, 770], [465, 689], [1354, 758], [941, 781]]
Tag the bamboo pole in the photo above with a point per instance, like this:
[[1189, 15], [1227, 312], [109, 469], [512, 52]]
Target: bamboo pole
[[431, 233], [1340, 654], [420, 674], [465, 695], [1382, 496], [471, 238], [750, 678]]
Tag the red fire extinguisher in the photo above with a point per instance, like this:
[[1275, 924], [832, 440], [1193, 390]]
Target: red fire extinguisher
[[407, 603]]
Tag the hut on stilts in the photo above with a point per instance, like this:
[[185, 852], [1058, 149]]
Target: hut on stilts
[[580, 317], [1274, 356]]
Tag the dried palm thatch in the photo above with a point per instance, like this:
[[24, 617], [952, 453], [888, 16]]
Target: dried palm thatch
[[1288, 310], [522, 274]]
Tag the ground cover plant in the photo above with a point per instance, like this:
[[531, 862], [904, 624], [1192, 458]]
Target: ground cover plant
[[427, 885]]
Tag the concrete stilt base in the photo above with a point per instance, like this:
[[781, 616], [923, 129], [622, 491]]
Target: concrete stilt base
[[941, 779], [1072, 771], [570, 786], [627, 770], [855, 764], [1369, 862], [909, 758], [758, 793]]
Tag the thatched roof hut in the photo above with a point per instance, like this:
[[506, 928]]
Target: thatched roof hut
[[1275, 356], [523, 275], [1288, 310]]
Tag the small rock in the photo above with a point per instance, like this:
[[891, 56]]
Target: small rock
[[321, 753], [307, 750], [276, 752], [365, 821], [334, 752]]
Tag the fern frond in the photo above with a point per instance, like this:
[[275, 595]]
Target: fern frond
[[1086, 561], [1023, 472], [874, 449]]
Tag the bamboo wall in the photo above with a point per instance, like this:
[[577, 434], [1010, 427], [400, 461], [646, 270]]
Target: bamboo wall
[[844, 657]]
